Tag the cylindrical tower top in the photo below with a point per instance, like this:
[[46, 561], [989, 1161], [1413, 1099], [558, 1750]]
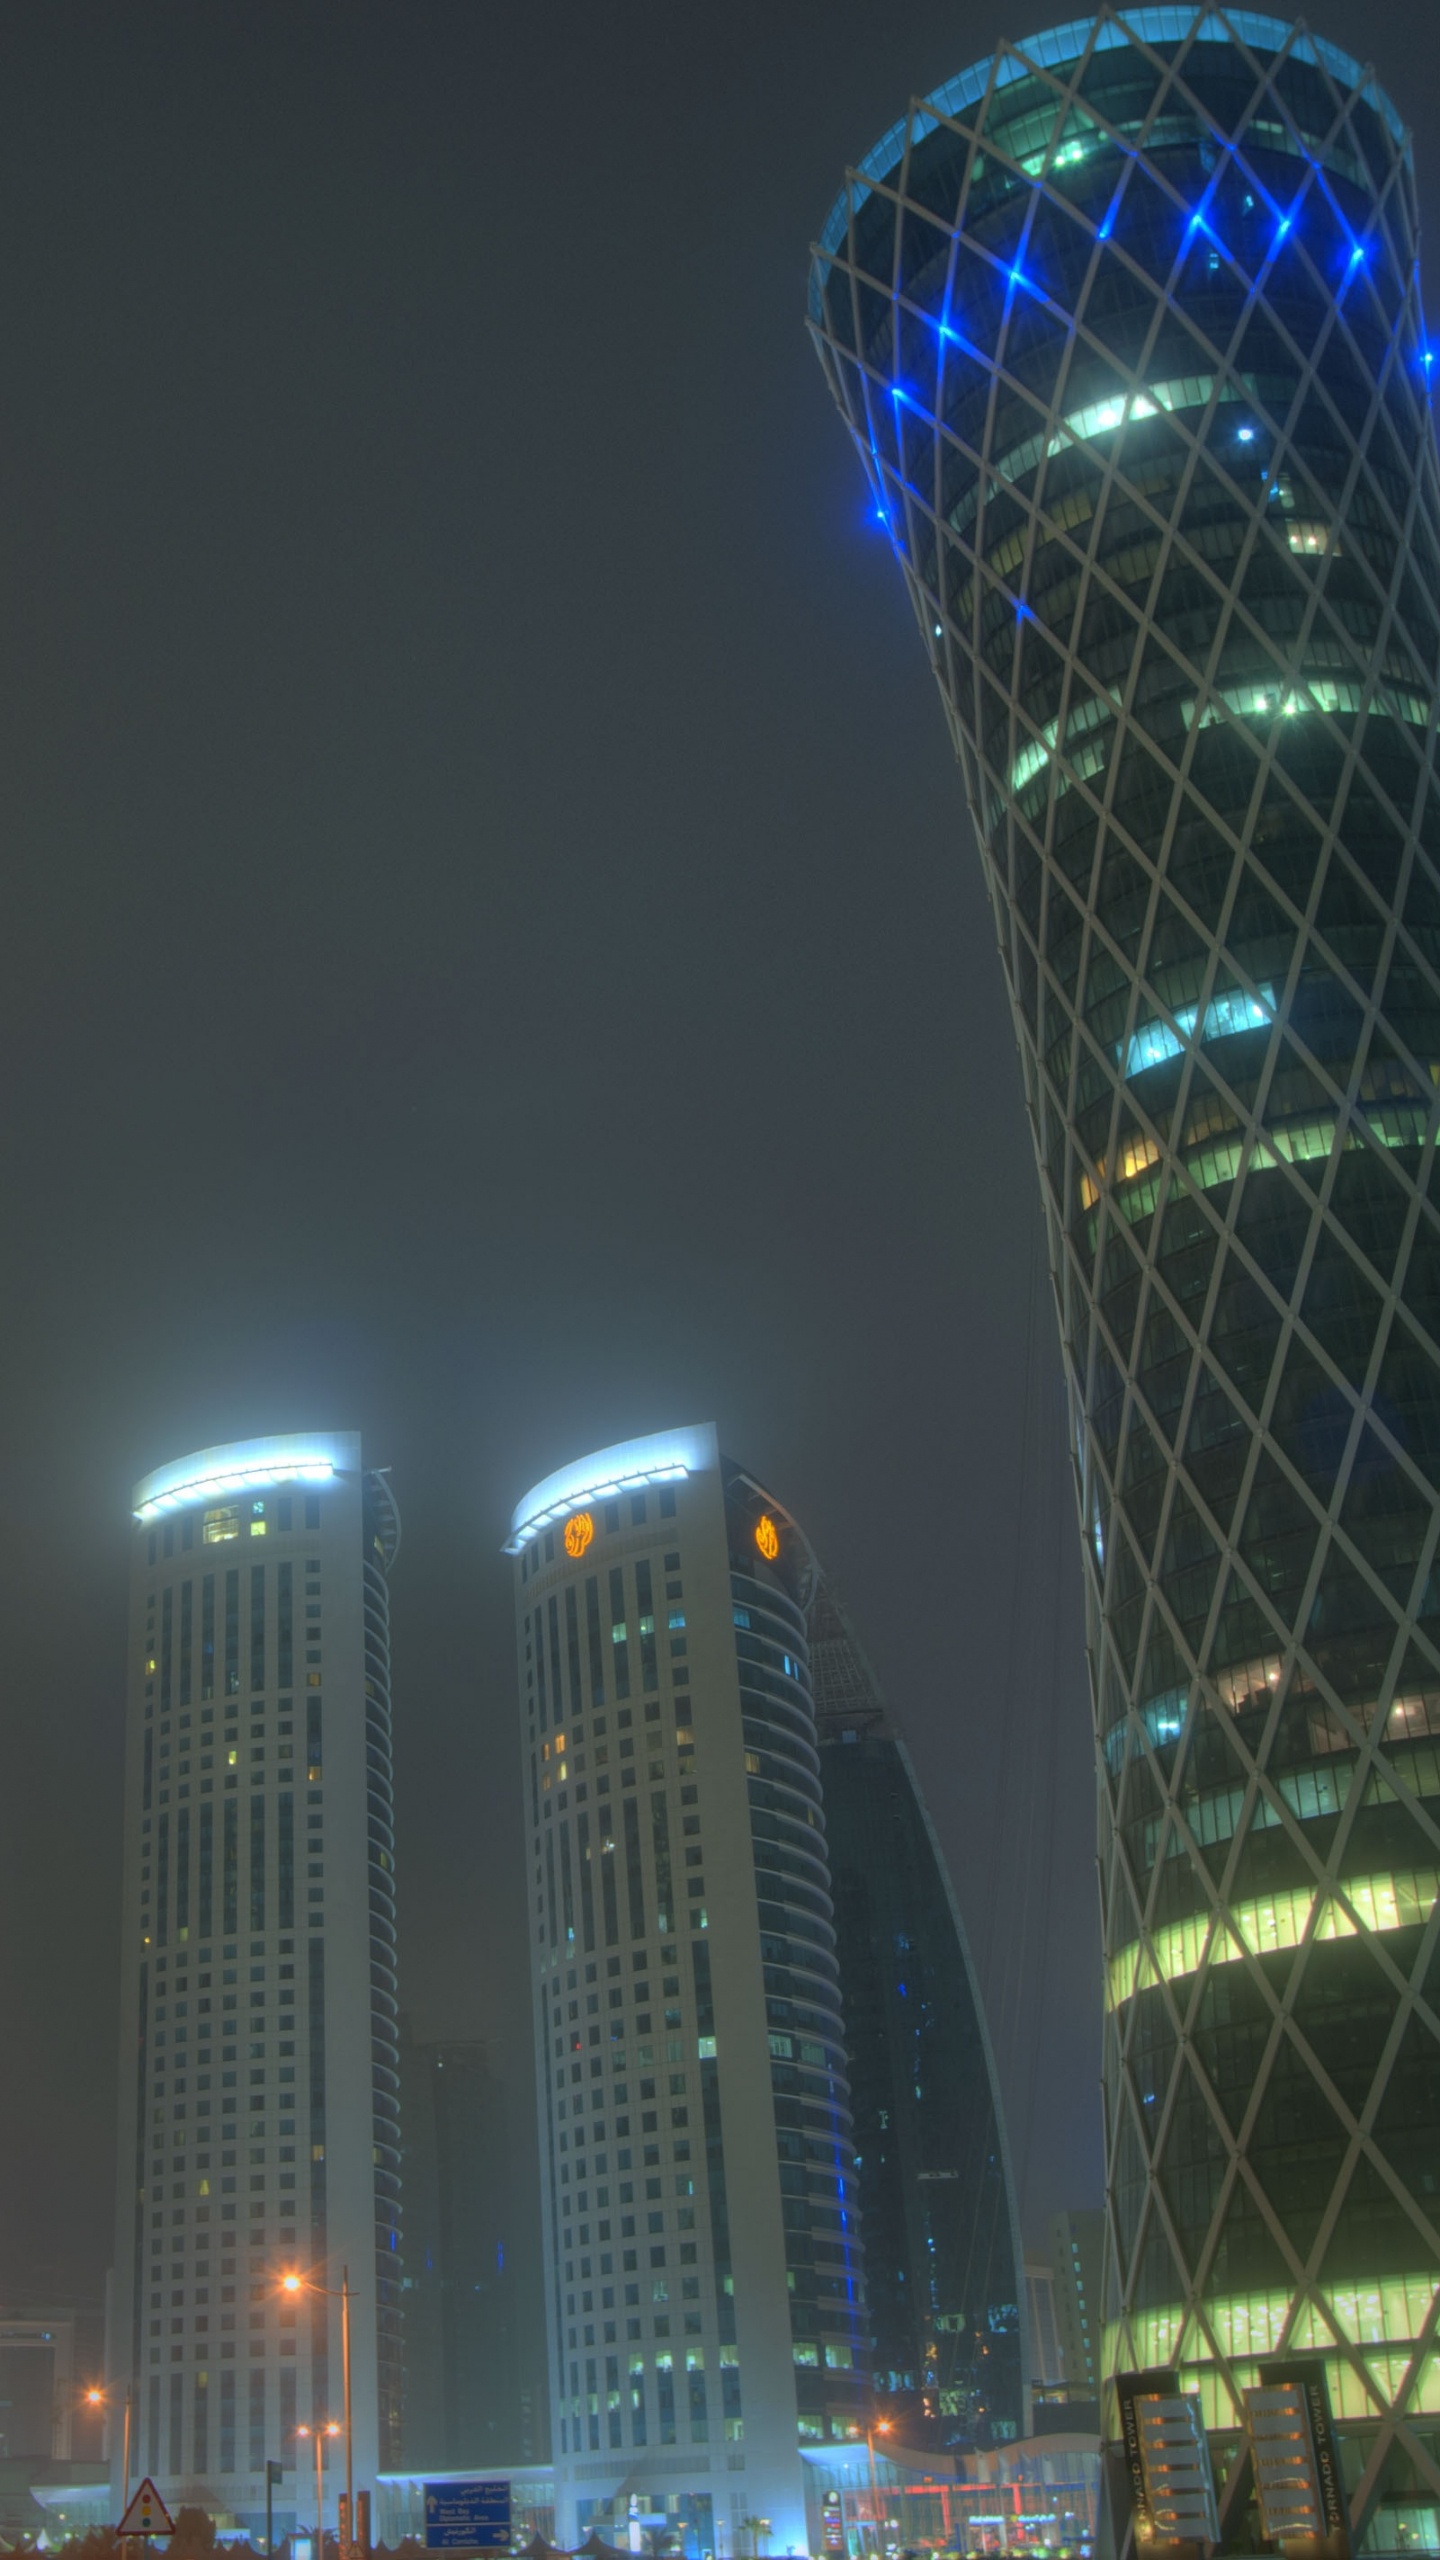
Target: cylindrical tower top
[[240, 1466]]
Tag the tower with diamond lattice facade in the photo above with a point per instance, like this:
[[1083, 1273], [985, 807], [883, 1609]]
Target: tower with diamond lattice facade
[[1125, 325]]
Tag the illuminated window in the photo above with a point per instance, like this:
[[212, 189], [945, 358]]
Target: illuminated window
[[221, 1522]]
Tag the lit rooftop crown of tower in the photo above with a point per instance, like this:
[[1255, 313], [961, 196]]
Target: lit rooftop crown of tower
[[1125, 325]]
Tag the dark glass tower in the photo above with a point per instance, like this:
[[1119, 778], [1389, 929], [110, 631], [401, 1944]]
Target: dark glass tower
[[942, 2255], [1125, 324]]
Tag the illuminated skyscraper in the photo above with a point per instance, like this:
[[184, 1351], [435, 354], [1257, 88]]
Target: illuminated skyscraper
[[1125, 324], [702, 2274], [259, 2088], [943, 2270]]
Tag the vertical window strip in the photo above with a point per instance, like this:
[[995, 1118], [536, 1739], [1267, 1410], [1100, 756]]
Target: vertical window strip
[[550, 1881], [162, 1884], [314, 1741], [257, 1626], [596, 1650], [566, 1889], [645, 1604], [619, 1644], [608, 1899], [227, 2421], [148, 1773], [230, 1871], [207, 1637], [257, 1862], [660, 1851], [207, 1867], [284, 1627], [587, 1883], [232, 1633], [634, 1875], [572, 1648], [187, 1630], [285, 1860], [182, 1872], [167, 1631], [319, 2320], [557, 1685]]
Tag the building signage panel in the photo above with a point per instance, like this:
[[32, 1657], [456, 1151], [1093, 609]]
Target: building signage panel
[[1298, 2480], [467, 2515]]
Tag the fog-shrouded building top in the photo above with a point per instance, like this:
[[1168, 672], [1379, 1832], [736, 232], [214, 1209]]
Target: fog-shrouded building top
[[259, 2091], [943, 2269], [1125, 325], [704, 2286]]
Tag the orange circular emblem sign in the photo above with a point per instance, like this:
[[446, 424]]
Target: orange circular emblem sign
[[767, 1537], [579, 1530]]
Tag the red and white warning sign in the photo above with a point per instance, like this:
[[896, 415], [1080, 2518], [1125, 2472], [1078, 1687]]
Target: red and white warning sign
[[147, 2512]]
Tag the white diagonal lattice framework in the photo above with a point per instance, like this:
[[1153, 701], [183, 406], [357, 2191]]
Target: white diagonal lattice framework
[[1125, 325]]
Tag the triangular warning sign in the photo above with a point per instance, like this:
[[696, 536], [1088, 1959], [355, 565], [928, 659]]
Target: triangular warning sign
[[147, 2512]]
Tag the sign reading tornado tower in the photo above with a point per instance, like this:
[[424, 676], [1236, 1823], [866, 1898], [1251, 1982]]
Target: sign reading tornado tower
[[1125, 325]]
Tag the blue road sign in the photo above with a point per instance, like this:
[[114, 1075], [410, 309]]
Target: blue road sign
[[467, 2515]]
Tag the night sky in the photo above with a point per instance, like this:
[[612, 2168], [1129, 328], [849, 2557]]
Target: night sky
[[493, 950]]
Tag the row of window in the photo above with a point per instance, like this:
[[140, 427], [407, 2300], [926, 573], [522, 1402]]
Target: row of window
[[198, 1875], [217, 1522], [177, 1652], [634, 1510]]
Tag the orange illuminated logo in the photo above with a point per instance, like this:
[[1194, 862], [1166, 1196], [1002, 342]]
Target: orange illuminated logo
[[579, 1530], [767, 1537]]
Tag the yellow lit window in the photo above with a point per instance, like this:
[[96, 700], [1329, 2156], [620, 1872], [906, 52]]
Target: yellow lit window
[[223, 1522]]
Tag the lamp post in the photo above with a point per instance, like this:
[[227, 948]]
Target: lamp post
[[95, 2398], [319, 2433], [306, 2284], [878, 2427]]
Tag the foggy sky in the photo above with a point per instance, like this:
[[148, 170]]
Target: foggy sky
[[494, 953]]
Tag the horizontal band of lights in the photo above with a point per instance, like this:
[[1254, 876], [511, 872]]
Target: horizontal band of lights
[[1225, 1015], [237, 1479], [1298, 1142], [1272, 1925], [1246, 701], [1382, 2317], [604, 1489], [1313, 693], [1247, 1685], [1097, 418]]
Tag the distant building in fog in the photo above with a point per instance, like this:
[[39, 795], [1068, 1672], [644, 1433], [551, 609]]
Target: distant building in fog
[[1076, 2245], [259, 2091], [48, 2359], [937, 2209], [702, 2271], [475, 2393], [1047, 2361]]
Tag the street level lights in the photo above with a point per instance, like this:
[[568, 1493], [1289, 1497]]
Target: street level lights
[[319, 2433], [306, 2284]]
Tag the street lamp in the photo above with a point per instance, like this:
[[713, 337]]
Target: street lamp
[[319, 2434], [95, 2398], [306, 2284], [877, 2427]]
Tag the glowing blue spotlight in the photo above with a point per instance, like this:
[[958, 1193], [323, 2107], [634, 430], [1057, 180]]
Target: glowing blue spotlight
[[1107, 226], [1246, 435], [1357, 253]]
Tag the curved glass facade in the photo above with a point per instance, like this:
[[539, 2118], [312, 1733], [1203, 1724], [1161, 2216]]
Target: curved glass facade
[[942, 2259], [1125, 325], [382, 1543], [809, 2073]]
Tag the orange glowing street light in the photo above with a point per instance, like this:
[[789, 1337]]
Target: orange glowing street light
[[330, 2428], [294, 2282], [94, 2398], [877, 2427]]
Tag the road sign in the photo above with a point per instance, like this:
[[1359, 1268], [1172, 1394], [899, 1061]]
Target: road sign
[[467, 2515], [147, 2512]]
